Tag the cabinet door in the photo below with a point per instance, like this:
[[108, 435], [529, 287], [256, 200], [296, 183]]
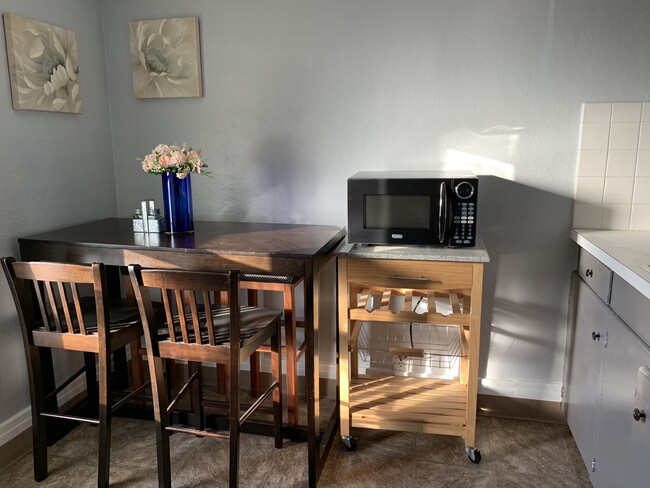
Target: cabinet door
[[585, 378], [624, 444]]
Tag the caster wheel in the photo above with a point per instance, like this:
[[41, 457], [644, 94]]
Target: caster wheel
[[473, 454], [349, 442]]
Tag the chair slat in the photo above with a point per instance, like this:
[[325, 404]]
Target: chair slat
[[41, 304], [195, 318], [168, 314], [207, 303], [77, 306], [49, 287], [181, 315], [65, 305]]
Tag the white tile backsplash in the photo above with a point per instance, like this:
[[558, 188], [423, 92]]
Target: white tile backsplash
[[595, 136], [624, 135], [642, 190], [640, 219], [587, 215], [643, 163], [621, 162], [618, 190], [644, 136], [590, 189], [593, 162], [616, 216], [645, 114], [613, 176], [626, 112], [596, 112]]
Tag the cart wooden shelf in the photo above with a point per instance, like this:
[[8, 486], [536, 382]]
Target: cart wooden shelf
[[406, 314]]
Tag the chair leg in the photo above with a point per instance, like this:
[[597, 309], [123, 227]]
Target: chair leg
[[254, 360], [290, 351], [196, 395], [91, 384], [276, 371], [233, 419], [104, 465], [39, 423], [161, 417]]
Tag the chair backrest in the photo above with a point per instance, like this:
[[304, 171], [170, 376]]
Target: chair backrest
[[49, 298], [190, 301]]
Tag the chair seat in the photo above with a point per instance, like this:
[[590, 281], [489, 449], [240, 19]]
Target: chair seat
[[121, 314], [253, 319]]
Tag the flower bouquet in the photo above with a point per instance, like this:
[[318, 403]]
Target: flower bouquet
[[176, 164], [174, 159]]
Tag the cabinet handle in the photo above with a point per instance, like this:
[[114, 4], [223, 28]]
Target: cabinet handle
[[638, 415], [595, 336], [589, 273]]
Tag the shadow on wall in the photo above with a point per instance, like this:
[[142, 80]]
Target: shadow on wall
[[526, 284]]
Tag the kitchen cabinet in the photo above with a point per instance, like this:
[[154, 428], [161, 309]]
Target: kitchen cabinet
[[603, 389]]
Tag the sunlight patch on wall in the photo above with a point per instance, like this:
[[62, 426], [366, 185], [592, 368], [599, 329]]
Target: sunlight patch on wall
[[480, 165]]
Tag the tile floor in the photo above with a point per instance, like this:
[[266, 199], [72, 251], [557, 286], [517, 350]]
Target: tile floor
[[514, 454]]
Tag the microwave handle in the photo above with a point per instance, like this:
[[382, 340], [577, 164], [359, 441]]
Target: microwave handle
[[442, 213]]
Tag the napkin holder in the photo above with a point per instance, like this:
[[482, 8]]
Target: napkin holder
[[147, 218]]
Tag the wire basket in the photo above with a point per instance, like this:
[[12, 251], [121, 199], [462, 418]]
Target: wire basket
[[423, 350]]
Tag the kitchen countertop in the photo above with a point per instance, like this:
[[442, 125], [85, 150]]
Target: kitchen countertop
[[476, 254], [625, 252]]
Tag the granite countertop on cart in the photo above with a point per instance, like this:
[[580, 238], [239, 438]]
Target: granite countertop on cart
[[476, 254]]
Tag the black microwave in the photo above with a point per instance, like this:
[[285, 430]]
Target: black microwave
[[413, 207]]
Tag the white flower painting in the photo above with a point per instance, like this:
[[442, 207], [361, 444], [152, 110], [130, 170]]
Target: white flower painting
[[165, 58], [43, 65]]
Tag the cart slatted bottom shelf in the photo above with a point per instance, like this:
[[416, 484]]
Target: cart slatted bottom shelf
[[432, 406]]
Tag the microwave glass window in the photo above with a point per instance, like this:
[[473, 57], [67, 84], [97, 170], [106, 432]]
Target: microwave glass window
[[397, 211]]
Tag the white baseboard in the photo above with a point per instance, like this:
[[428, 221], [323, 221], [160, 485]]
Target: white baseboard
[[19, 423], [513, 388]]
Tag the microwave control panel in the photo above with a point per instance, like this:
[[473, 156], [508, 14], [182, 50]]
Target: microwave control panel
[[463, 226]]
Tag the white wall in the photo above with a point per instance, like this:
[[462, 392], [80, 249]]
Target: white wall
[[300, 94], [55, 170]]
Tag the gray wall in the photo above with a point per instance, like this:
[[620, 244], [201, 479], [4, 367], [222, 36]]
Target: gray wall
[[55, 169], [301, 94]]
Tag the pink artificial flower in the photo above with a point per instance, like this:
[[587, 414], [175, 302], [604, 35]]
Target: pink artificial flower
[[161, 149], [164, 161], [178, 158]]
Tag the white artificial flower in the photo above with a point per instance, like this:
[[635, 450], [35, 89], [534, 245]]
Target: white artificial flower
[[46, 66], [163, 58]]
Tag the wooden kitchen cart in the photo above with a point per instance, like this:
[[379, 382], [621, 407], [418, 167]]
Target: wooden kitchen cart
[[409, 335]]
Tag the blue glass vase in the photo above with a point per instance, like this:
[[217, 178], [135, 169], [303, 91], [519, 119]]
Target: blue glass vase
[[177, 200]]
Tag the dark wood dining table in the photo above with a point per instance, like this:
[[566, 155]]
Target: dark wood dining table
[[261, 248]]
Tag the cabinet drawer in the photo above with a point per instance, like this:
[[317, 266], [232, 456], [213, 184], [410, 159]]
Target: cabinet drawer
[[632, 307], [395, 273], [596, 275]]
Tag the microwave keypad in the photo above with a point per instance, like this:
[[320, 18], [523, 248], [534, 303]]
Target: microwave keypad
[[464, 223]]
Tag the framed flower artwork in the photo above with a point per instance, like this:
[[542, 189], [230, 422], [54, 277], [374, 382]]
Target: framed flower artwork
[[43, 65], [165, 58]]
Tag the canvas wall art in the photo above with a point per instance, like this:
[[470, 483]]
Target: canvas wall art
[[43, 65], [165, 58]]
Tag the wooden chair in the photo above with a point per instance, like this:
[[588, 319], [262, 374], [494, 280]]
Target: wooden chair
[[287, 286], [197, 330], [54, 313]]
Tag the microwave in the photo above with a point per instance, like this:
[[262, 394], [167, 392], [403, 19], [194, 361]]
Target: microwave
[[413, 207]]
